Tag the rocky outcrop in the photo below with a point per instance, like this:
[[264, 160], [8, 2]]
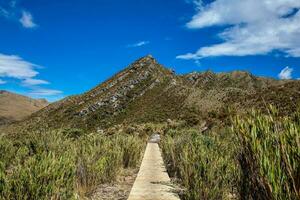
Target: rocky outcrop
[[124, 88]]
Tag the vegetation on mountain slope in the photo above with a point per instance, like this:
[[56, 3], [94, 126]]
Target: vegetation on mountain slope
[[148, 92], [66, 149], [259, 158]]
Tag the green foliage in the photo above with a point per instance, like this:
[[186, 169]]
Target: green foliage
[[258, 159], [63, 164], [204, 164], [73, 133], [42, 176], [101, 158], [270, 155]]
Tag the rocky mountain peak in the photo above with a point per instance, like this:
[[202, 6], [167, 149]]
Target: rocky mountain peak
[[146, 91], [146, 62]]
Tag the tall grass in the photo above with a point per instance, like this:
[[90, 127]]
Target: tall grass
[[204, 164], [63, 164], [258, 158], [269, 155]]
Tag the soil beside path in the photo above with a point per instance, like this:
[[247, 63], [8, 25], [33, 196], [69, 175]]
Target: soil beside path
[[118, 190]]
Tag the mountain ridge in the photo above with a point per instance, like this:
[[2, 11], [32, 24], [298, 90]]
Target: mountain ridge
[[146, 91], [15, 107]]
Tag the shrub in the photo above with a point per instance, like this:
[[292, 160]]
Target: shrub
[[63, 165], [42, 176], [258, 159], [270, 155], [204, 164]]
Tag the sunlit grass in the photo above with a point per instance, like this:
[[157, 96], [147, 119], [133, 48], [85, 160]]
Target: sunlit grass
[[63, 164], [257, 158], [270, 155], [204, 165]]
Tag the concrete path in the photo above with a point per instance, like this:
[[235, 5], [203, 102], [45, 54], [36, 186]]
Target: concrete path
[[152, 182]]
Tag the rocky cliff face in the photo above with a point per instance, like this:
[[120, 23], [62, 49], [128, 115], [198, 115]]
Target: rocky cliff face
[[147, 92]]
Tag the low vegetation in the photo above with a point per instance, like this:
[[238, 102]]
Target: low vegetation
[[65, 164], [258, 158], [204, 164]]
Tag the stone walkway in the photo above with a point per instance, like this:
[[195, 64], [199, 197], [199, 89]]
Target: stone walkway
[[152, 182]]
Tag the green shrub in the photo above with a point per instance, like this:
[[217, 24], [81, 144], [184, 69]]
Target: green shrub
[[42, 177], [63, 165], [258, 159], [270, 155], [204, 164]]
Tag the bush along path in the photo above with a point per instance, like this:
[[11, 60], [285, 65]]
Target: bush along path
[[152, 182]]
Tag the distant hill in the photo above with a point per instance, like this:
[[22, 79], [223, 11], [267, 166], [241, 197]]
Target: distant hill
[[15, 107], [146, 91]]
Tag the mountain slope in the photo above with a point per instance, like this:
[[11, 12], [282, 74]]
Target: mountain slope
[[15, 107], [147, 92]]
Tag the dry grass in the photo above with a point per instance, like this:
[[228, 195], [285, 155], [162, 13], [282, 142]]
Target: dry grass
[[14, 107]]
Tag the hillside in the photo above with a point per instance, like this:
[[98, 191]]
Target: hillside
[[15, 107], [146, 91], [90, 145]]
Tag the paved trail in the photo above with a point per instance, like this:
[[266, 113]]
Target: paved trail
[[152, 182]]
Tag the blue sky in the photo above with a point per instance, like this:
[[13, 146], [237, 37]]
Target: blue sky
[[52, 49]]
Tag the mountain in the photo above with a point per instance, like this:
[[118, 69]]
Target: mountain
[[146, 91], [15, 107]]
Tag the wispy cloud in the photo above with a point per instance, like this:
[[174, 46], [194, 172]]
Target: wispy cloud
[[11, 10], [27, 20], [197, 3], [274, 26], [44, 92], [138, 44], [15, 67], [32, 82], [2, 82], [286, 73], [4, 12]]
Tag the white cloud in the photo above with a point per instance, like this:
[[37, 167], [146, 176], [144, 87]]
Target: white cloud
[[11, 10], [286, 73], [2, 82], [45, 92], [198, 63], [12, 66], [139, 44], [15, 67], [256, 27], [27, 20], [32, 82]]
